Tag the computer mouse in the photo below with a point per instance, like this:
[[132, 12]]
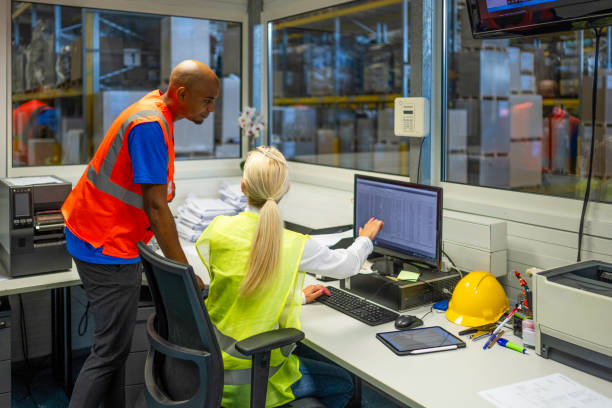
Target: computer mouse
[[405, 322]]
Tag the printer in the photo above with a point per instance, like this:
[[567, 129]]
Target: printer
[[32, 239], [572, 316]]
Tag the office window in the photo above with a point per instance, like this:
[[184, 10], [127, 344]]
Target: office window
[[333, 76], [75, 69], [518, 111]]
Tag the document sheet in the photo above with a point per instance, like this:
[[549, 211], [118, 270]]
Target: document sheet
[[555, 390]]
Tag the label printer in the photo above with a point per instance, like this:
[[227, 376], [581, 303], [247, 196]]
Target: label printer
[[32, 239], [572, 316]]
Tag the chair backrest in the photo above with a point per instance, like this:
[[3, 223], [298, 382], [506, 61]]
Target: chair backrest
[[182, 320]]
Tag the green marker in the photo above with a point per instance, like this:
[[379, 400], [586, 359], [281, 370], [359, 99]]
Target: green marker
[[505, 343]]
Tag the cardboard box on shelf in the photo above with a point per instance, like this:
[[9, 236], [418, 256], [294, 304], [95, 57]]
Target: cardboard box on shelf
[[378, 69], [40, 152], [230, 109], [515, 69], [326, 141], [231, 51], [457, 126], [365, 134], [319, 70], [525, 117], [528, 84], [494, 171], [600, 166], [346, 135], [18, 69], [73, 146], [183, 38], [527, 62], [556, 141], [457, 167], [384, 125], [494, 126], [483, 73], [525, 163], [604, 98], [296, 125]]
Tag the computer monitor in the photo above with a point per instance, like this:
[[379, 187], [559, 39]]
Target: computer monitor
[[412, 214], [514, 18]]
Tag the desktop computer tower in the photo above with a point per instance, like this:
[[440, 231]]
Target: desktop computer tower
[[401, 295]]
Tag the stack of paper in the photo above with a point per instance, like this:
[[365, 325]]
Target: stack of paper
[[195, 215], [232, 194]]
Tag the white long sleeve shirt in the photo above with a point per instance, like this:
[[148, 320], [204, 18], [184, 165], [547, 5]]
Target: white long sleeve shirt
[[335, 263], [320, 260]]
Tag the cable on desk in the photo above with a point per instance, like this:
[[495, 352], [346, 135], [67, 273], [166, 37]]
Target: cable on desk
[[453, 264], [430, 310]]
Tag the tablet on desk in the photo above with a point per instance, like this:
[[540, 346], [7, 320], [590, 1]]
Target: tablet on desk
[[420, 341]]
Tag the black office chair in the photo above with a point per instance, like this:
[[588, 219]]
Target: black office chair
[[184, 367]]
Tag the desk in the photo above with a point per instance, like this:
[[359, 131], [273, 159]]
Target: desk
[[59, 283], [443, 379]]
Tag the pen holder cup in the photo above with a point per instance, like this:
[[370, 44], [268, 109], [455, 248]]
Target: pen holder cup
[[529, 296], [517, 322]]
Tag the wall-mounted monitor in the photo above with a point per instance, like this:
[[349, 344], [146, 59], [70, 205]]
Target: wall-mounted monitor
[[516, 18]]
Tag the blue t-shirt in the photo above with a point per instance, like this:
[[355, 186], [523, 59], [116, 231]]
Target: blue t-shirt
[[149, 155]]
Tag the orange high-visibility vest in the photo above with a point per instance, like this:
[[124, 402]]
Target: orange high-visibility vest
[[25, 119], [105, 208]]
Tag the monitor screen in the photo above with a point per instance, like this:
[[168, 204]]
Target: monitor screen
[[412, 214], [512, 18], [22, 204]]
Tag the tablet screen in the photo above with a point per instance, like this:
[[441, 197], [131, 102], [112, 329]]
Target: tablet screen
[[419, 339]]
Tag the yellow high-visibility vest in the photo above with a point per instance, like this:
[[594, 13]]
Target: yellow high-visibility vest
[[224, 248]]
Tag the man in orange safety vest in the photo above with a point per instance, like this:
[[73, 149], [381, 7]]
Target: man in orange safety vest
[[122, 198]]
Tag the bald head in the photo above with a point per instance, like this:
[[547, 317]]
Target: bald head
[[192, 73], [192, 91]]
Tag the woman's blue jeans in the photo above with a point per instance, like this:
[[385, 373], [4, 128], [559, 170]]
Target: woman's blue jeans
[[330, 384]]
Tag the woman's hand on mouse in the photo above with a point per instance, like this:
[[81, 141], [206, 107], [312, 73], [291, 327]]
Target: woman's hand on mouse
[[312, 292], [371, 228]]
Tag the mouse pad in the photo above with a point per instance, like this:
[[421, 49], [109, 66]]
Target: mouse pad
[[419, 341]]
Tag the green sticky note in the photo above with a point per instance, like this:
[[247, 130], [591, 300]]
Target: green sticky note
[[409, 276]]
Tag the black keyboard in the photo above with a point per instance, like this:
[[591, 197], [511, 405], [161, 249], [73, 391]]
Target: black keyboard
[[358, 308]]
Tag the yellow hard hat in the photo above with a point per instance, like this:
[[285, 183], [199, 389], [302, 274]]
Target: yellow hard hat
[[478, 299]]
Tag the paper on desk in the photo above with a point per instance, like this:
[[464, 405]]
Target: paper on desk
[[555, 390], [409, 276], [330, 239], [25, 181]]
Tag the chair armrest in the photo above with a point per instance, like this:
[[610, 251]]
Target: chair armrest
[[269, 340], [172, 350]]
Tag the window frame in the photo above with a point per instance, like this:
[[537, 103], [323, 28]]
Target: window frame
[[551, 212], [184, 169], [318, 174]]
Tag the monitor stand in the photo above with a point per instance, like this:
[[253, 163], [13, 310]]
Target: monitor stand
[[387, 265], [383, 287]]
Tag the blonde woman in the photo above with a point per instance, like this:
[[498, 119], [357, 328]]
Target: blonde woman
[[256, 278]]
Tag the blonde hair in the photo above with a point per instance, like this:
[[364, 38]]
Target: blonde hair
[[266, 180]]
